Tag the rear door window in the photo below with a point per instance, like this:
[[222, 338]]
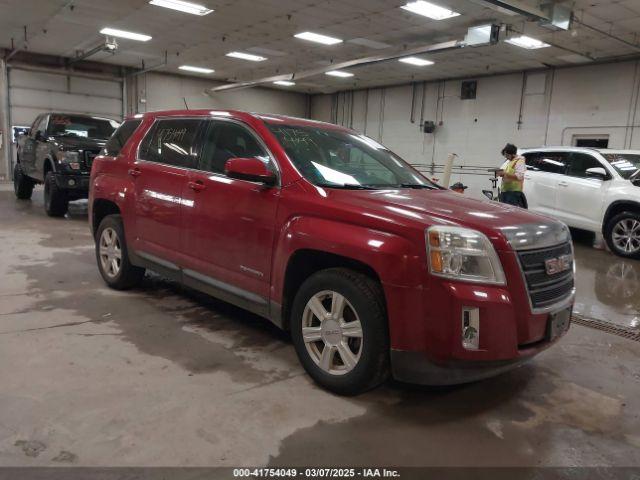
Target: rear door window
[[550, 162], [120, 137], [173, 142]]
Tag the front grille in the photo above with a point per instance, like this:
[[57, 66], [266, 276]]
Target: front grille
[[544, 289]]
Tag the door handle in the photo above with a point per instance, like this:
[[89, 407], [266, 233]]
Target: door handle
[[196, 186], [135, 172], [563, 184]]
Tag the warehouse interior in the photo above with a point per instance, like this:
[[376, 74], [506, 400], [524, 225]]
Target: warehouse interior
[[166, 376]]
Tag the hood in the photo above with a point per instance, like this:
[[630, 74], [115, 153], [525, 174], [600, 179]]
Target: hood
[[424, 208], [79, 143]]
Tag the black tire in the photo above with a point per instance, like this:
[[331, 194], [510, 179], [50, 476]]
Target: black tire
[[366, 299], [127, 275], [22, 184], [613, 230], [56, 202]]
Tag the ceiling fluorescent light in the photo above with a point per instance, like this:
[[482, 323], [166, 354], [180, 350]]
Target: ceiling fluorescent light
[[419, 62], [527, 42], [284, 83], [123, 34], [339, 73], [189, 68], [246, 56], [186, 7], [430, 10], [316, 37]]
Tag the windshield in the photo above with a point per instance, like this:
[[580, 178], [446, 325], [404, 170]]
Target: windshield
[[339, 159], [626, 164], [81, 126]]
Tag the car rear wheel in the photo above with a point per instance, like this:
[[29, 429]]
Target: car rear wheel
[[112, 255], [56, 202], [623, 235], [22, 185], [339, 329]]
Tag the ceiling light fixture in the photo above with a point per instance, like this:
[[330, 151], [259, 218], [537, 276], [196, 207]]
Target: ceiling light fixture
[[339, 73], [124, 34], [189, 68], [186, 7], [246, 56], [418, 62], [316, 37], [430, 10], [527, 42], [284, 83]]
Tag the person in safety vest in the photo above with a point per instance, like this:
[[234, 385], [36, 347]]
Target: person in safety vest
[[512, 173]]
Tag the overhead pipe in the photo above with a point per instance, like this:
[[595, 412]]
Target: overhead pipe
[[358, 62], [100, 48], [537, 14], [15, 49], [150, 69], [413, 102], [519, 8], [635, 46]]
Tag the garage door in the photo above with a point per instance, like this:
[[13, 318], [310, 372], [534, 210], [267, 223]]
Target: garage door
[[31, 93]]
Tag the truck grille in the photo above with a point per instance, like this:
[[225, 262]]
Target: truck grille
[[88, 158], [544, 289]]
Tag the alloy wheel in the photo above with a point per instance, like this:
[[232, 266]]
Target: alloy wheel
[[110, 252], [332, 332], [626, 235]]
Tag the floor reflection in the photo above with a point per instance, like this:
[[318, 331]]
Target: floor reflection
[[608, 287]]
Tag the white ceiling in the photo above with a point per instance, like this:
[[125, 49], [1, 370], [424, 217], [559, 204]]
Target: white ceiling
[[266, 27]]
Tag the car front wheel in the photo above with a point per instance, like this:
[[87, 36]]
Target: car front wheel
[[339, 329], [56, 202], [623, 235], [113, 257]]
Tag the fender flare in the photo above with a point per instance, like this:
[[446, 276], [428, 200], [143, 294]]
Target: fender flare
[[390, 256], [607, 214]]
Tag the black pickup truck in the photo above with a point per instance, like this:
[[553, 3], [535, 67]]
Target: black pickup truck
[[58, 151]]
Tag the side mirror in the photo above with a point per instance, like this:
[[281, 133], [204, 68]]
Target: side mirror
[[39, 136], [251, 169], [488, 194], [597, 172]]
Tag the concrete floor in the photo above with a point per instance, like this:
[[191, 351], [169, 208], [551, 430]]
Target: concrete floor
[[161, 376]]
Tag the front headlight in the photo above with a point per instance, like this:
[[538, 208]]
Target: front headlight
[[72, 159], [463, 254], [68, 157]]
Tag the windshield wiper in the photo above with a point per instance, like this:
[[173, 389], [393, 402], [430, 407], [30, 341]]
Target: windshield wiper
[[416, 186], [348, 186]]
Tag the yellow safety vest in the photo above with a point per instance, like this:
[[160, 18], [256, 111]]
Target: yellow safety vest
[[512, 185]]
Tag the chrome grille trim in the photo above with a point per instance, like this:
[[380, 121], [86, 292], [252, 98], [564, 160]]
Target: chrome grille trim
[[546, 292]]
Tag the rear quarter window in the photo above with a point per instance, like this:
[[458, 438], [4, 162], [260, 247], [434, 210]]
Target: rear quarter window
[[120, 137]]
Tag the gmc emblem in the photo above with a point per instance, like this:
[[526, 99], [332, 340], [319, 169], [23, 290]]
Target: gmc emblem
[[553, 266]]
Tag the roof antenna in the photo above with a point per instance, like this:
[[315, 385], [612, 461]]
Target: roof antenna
[[185, 103]]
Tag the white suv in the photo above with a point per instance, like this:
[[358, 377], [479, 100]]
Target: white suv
[[588, 189]]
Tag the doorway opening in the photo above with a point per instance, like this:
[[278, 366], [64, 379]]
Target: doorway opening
[[591, 141]]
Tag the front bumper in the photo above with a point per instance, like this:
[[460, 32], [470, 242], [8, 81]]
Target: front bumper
[[510, 335], [77, 183], [415, 367]]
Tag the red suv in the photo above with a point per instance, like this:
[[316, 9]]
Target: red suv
[[372, 268]]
